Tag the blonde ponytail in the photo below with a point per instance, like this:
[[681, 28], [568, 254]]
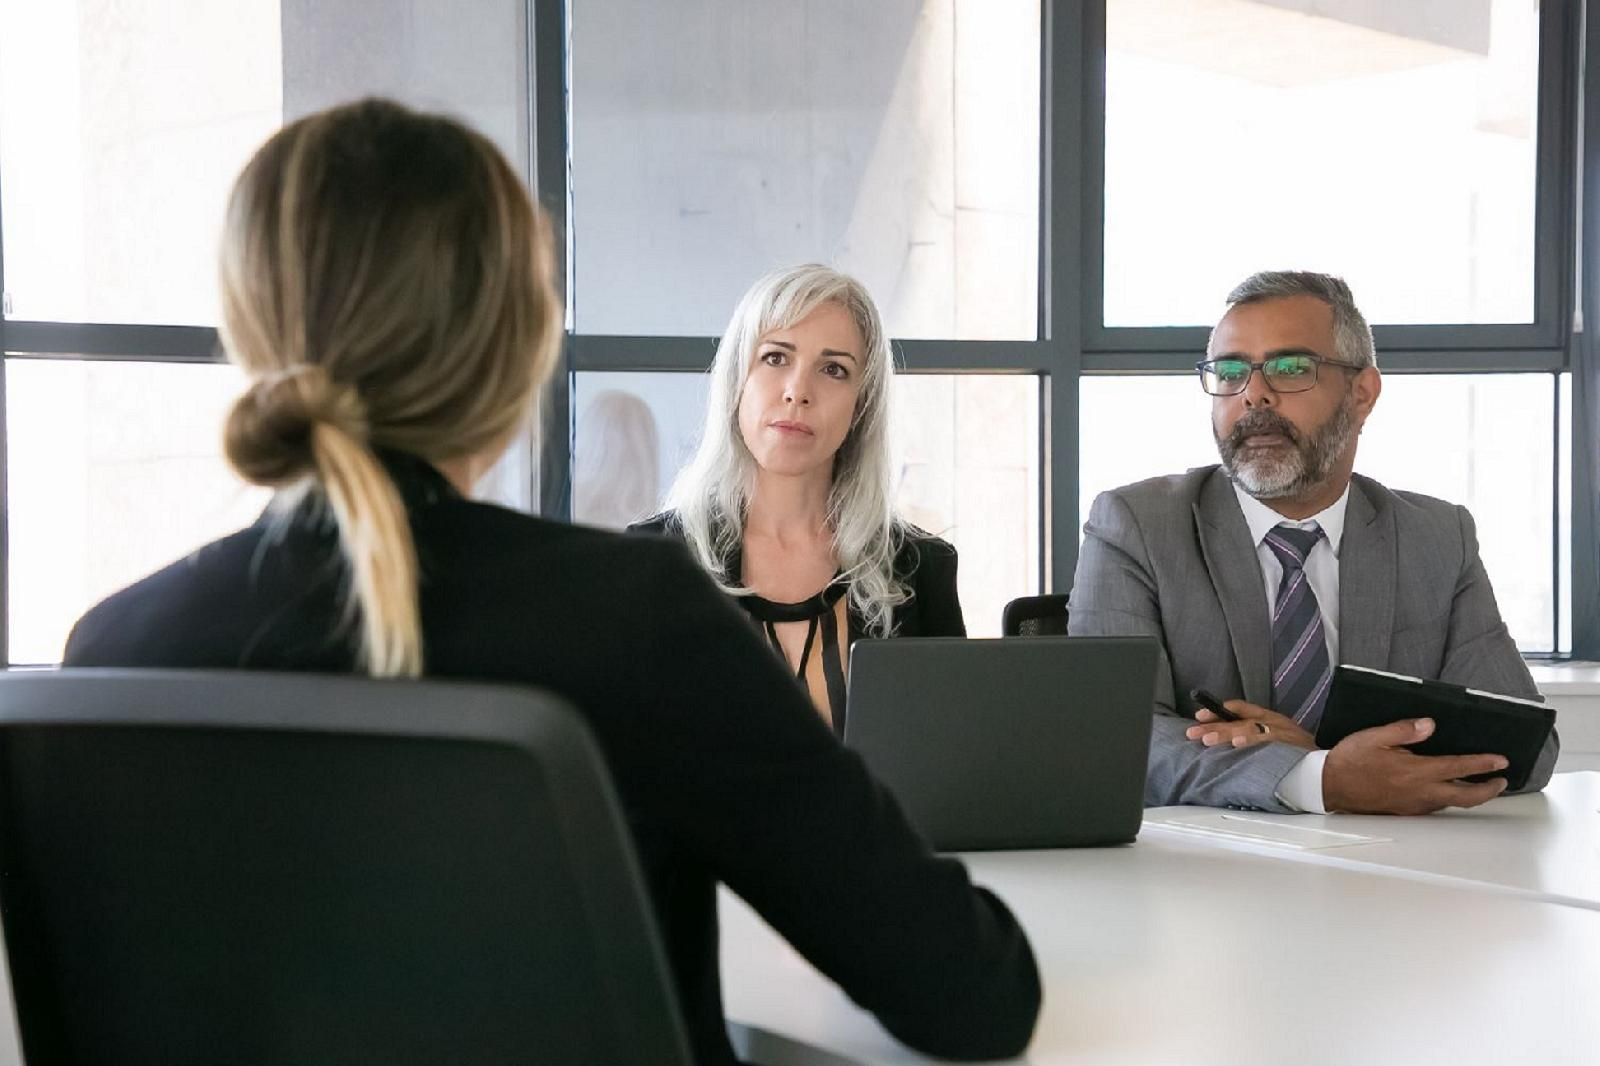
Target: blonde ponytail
[[376, 537], [387, 285], [297, 425]]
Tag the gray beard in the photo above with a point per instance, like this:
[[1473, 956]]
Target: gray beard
[[1309, 462]]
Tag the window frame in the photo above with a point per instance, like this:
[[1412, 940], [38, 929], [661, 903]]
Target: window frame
[[1072, 340], [1585, 355], [1465, 347]]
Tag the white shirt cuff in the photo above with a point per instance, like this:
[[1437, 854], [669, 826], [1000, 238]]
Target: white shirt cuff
[[1301, 787]]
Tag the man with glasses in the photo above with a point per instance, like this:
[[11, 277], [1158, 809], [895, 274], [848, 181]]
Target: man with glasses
[[1260, 575]]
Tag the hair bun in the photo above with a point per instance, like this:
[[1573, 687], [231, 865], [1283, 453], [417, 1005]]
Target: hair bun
[[271, 431]]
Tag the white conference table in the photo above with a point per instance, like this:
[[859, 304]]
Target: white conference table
[[1545, 845], [1187, 949], [1464, 937]]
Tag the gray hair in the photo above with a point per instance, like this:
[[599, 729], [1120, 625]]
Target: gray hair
[[1352, 337], [711, 494]]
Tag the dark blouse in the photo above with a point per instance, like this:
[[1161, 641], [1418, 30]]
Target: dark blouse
[[924, 563], [723, 768]]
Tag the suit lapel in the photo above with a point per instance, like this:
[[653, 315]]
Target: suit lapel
[[1236, 575], [1367, 576]]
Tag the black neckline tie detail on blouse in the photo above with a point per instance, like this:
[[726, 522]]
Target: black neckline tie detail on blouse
[[818, 612]]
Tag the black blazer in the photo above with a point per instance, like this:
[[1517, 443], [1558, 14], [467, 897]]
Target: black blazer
[[924, 563], [725, 771]]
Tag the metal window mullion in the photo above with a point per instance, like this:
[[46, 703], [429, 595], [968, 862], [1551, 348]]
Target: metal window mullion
[[104, 340], [548, 52], [1555, 513], [1402, 361], [1468, 336], [1072, 181], [1586, 377], [612, 353], [1558, 104]]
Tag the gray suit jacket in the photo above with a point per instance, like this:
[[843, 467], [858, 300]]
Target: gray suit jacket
[[1171, 558]]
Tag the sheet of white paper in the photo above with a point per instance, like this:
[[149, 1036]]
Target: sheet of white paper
[[1258, 829]]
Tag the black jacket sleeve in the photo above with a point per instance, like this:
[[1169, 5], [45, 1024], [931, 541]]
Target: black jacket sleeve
[[656, 524], [787, 818], [936, 606]]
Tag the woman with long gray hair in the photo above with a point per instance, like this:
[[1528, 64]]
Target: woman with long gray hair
[[789, 501]]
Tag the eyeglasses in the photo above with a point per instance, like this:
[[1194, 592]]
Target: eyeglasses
[[1282, 373]]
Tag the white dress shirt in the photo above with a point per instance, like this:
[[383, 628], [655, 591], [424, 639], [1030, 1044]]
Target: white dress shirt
[[1301, 787]]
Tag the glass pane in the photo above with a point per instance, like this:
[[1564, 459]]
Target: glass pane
[[713, 140], [1137, 427], [114, 469], [970, 473], [124, 122], [1490, 447], [122, 126], [1323, 135], [634, 432], [511, 481], [467, 58], [969, 447]]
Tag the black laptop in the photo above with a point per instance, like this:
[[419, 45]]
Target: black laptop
[[1021, 742]]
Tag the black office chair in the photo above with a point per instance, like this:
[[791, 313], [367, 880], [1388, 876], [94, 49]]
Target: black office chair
[[253, 868], [1035, 616]]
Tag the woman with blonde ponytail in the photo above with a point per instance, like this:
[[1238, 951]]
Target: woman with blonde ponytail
[[388, 289]]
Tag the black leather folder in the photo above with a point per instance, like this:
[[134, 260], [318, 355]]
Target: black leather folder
[[1467, 722]]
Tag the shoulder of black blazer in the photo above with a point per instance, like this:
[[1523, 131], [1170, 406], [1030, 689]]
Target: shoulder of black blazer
[[664, 522], [924, 563]]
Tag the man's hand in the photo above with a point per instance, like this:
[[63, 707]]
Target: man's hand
[[1370, 772], [1256, 725]]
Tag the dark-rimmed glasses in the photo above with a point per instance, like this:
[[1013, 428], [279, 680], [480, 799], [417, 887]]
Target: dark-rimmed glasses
[[1295, 372]]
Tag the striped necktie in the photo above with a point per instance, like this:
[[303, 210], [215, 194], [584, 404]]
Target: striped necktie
[[1301, 670]]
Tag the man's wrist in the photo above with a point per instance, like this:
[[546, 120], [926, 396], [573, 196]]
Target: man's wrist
[[1301, 787]]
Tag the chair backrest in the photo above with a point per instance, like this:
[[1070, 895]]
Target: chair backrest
[[1035, 616], [294, 868]]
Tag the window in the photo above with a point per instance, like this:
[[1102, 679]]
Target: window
[[122, 126], [713, 140], [113, 469], [1392, 144], [635, 431], [971, 475], [1427, 151], [899, 142], [1487, 442]]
